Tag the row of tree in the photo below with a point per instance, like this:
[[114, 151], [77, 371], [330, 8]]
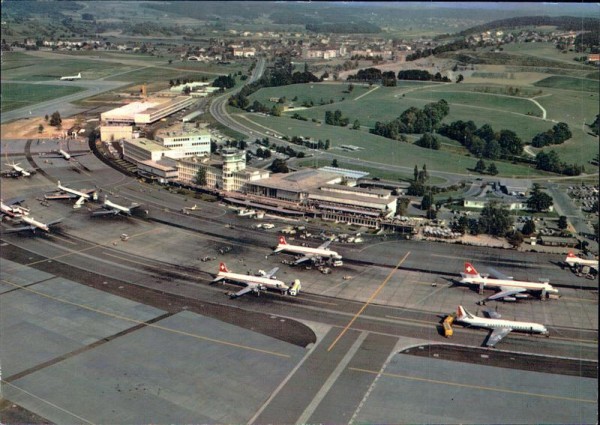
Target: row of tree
[[224, 81], [483, 141], [421, 75], [550, 161], [413, 120], [336, 118], [555, 136]]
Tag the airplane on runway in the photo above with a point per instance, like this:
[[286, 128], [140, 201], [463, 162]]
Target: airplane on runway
[[64, 192], [32, 224], [510, 290], [256, 283], [309, 253], [114, 209], [71, 77], [11, 209], [63, 154], [500, 328], [17, 171], [573, 260]]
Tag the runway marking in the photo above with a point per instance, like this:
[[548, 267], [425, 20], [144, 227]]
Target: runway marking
[[574, 339], [72, 252], [149, 325], [410, 320], [389, 276], [47, 402], [62, 239], [477, 387], [462, 259]]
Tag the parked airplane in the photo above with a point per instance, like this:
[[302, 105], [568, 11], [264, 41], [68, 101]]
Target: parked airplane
[[256, 283], [573, 260], [114, 209], [510, 290], [500, 328], [32, 224], [17, 171], [309, 253], [71, 77], [11, 209], [63, 154], [64, 192]]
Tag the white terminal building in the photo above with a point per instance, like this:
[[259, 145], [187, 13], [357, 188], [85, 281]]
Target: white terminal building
[[226, 171], [119, 123]]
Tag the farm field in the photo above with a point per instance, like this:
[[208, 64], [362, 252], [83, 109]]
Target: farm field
[[15, 95], [379, 149], [570, 83]]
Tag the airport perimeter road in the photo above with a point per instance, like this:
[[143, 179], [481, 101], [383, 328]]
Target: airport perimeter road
[[60, 104]]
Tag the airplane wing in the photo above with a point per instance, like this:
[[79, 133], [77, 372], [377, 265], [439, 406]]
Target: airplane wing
[[18, 229], [497, 335], [78, 154], [59, 195], [105, 212], [80, 201], [506, 292], [492, 314], [303, 259], [271, 272], [52, 155], [13, 201], [58, 220], [324, 245], [497, 275], [244, 291]]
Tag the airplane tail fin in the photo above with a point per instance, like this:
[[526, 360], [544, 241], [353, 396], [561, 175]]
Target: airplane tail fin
[[223, 268], [470, 270], [571, 255], [282, 240], [79, 75], [461, 312]]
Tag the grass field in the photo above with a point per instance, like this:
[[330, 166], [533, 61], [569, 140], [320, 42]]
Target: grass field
[[15, 95], [378, 149], [570, 83]]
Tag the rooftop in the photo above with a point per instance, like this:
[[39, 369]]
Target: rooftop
[[149, 145], [299, 181]]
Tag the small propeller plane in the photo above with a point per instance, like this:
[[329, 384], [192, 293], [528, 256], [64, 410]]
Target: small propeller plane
[[65, 192], [110, 208]]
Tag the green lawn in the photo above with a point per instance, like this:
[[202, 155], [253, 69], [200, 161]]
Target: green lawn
[[570, 83], [379, 149], [15, 95]]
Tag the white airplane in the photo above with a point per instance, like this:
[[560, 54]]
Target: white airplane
[[17, 171], [510, 290], [71, 77], [256, 283], [10, 209], [32, 224], [64, 192], [500, 328], [63, 154], [309, 253], [573, 260], [114, 209]]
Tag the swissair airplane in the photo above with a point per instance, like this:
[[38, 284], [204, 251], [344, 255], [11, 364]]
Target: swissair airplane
[[63, 154], [500, 328], [256, 283], [572, 260], [32, 224], [309, 253], [71, 77], [11, 209], [510, 290], [17, 171], [64, 192], [114, 209]]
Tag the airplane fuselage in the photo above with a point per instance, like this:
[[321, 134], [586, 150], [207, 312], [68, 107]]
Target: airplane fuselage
[[314, 252], [13, 211], [576, 260], [74, 192], [482, 322], [257, 280], [123, 209], [33, 222], [64, 154], [499, 283], [20, 170]]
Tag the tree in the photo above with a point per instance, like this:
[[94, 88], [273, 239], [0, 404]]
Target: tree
[[279, 166], [356, 125], [431, 214], [528, 228], [46, 117], [334, 163], [495, 219], [40, 128], [461, 225], [515, 238], [562, 222], [480, 166], [460, 78], [200, 178], [402, 205], [350, 88], [55, 119], [492, 170], [539, 201], [416, 173], [427, 201]]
